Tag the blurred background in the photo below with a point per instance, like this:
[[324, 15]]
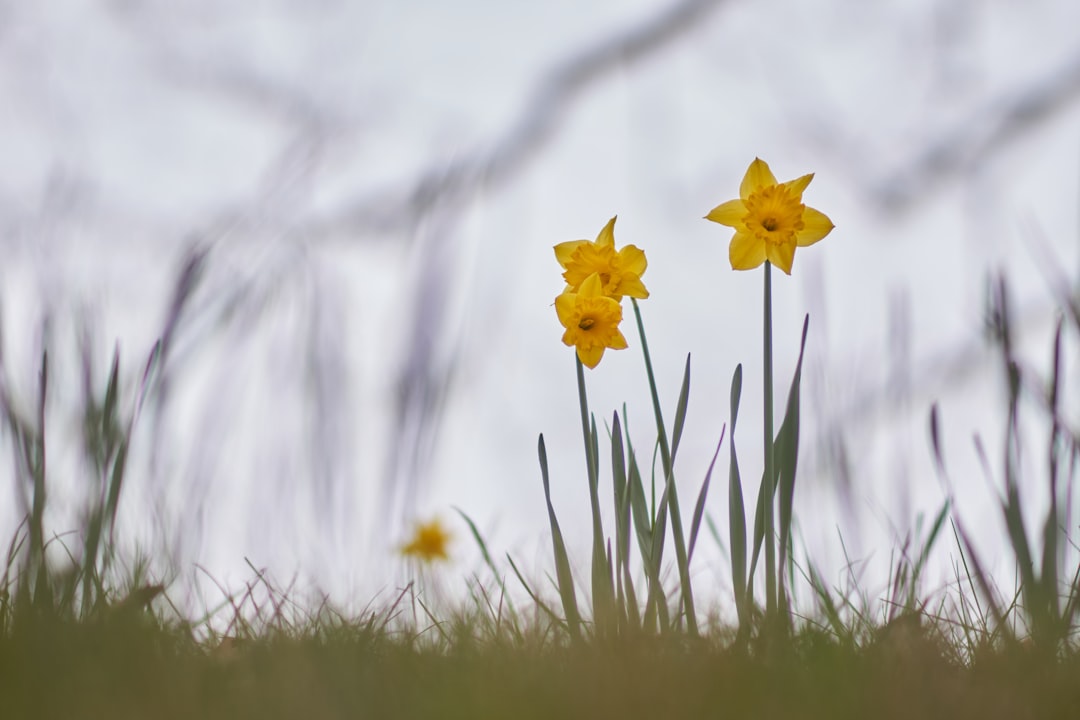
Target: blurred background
[[340, 215]]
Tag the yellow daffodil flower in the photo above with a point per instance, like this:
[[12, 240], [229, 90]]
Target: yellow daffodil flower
[[770, 220], [429, 543], [620, 271], [591, 319]]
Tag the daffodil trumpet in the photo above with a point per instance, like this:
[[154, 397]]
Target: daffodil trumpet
[[591, 321]]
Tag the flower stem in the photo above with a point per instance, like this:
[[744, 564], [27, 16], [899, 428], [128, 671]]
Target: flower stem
[[585, 432], [768, 486]]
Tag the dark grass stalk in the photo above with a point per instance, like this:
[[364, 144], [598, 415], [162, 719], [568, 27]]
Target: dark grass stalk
[[34, 447]]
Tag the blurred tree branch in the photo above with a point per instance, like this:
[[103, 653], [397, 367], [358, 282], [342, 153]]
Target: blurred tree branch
[[542, 111], [987, 129]]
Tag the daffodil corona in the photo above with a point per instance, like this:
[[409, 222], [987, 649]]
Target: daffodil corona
[[620, 271], [770, 220], [429, 543], [591, 319]]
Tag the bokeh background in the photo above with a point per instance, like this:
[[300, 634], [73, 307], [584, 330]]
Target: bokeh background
[[365, 196]]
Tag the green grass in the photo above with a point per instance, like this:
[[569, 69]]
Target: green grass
[[133, 668]]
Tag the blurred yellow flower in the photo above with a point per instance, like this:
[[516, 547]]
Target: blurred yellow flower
[[591, 320], [620, 271], [770, 220], [429, 543]]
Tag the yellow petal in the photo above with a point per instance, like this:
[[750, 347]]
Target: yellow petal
[[758, 175], [782, 255], [815, 227], [796, 186], [746, 252], [632, 260], [632, 286], [730, 213], [564, 307], [591, 286], [564, 250], [590, 356], [617, 341], [607, 235]]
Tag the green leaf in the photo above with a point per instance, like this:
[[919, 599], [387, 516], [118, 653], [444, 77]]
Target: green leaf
[[699, 508], [656, 604], [787, 455], [680, 410], [759, 533], [116, 483], [643, 524], [632, 611], [603, 592], [786, 449], [626, 597], [645, 532], [562, 562], [736, 510], [620, 490], [109, 415]]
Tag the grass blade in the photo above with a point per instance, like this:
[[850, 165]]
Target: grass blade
[[536, 598], [487, 557]]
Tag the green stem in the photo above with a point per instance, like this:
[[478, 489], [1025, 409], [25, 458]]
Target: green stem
[[669, 484], [768, 486], [584, 402]]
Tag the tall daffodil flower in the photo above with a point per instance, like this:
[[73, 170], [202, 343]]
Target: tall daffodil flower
[[620, 271], [591, 319], [770, 220]]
